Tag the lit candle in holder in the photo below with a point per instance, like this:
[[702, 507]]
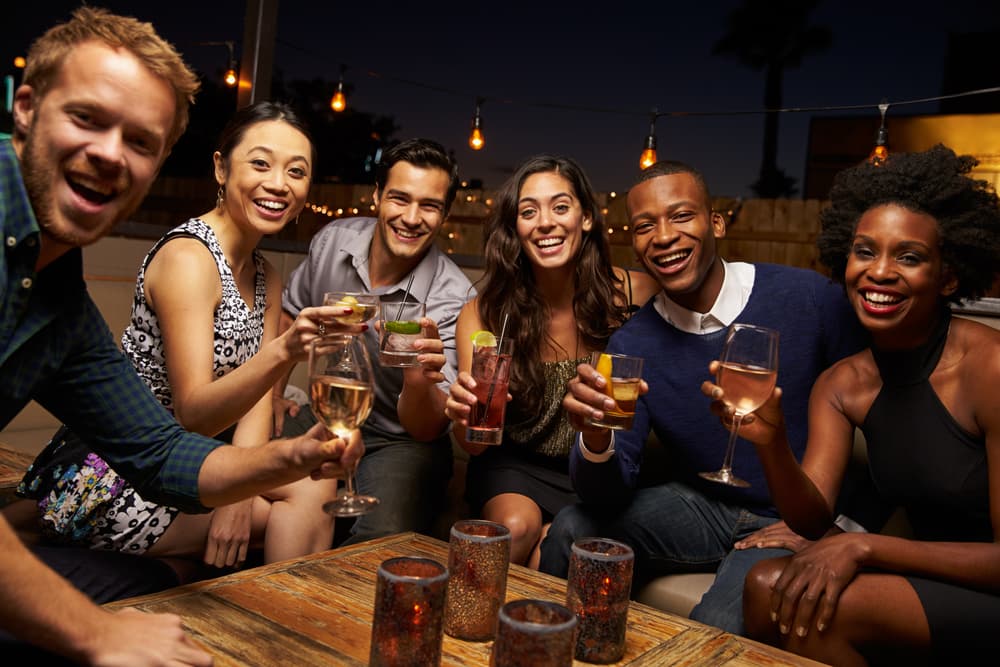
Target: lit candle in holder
[[534, 633], [478, 558], [598, 588], [407, 627]]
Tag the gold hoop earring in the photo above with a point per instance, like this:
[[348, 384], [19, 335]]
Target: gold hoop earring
[[220, 198]]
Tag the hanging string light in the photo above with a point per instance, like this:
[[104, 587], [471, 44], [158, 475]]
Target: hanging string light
[[476, 138], [230, 78], [339, 101], [880, 153], [648, 157]]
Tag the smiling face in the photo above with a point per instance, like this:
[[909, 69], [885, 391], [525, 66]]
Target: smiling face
[[550, 221], [673, 236], [895, 278], [94, 142], [266, 176], [411, 208]]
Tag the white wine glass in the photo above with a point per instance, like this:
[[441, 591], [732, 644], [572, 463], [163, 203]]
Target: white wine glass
[[748, 371], [341, 387]]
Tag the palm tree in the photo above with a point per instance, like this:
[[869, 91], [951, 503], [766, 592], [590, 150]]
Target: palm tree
[[772, 35]]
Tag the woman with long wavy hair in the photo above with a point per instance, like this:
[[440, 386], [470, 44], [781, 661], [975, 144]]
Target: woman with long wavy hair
[[549, 275]]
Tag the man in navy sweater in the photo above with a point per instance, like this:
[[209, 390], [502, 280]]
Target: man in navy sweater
[[688, 524]]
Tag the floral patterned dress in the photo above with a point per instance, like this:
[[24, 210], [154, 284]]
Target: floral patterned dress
[[81, 499]]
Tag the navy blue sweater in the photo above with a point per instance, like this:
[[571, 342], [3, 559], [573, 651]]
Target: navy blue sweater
[[817, 327]]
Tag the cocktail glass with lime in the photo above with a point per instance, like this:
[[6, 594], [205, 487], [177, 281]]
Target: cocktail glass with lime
[[491, 371], [399, 329]]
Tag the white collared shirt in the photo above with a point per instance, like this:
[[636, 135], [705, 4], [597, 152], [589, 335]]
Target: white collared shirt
[[733, 296]]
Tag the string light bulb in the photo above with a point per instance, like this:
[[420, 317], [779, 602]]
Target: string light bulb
[[476, 139], [648, 157], [230, 77], [880, 153], [339, 101]]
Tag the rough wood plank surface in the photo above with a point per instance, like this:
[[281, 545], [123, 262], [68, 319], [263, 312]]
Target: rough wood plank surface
[[317, 610]]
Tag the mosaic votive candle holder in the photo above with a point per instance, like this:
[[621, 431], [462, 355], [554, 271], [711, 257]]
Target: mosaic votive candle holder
[[478, 557], [598, 588], [409, 612], [534, 633]]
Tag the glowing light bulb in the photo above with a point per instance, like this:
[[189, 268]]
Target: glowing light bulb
[[20, 62], [477, 140], [878, 156], [339, 102], [648, 158], [230, 77]]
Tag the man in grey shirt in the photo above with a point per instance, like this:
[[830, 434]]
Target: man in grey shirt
[[407, 461]]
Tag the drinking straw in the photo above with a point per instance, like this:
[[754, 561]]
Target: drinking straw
[[399, 313], [496, 371]]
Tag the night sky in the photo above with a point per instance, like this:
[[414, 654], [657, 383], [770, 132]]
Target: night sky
[[546, 70]]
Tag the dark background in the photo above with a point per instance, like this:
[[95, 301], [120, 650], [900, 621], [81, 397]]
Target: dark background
[[567, 78]]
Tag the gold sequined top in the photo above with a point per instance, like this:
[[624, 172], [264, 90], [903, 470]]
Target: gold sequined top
[[548, 433]]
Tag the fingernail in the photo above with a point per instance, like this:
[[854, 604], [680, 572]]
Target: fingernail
[[783, 628], [774, 617], [716, 393], [821, 626], [800, 631]]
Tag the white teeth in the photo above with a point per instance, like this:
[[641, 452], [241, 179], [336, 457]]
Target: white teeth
[[408, 235], [93, 187], [547, 243], [672, 257], [879, 297], [273, 205]]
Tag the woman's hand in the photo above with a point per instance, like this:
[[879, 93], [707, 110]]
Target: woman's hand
[[775, 536], [229, 534], [312, 322], [458, 407], [811, 584]]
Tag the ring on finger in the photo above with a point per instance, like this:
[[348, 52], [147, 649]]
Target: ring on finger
[[321, 329]]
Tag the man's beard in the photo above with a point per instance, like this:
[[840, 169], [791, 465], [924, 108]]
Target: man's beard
[[38, 174]]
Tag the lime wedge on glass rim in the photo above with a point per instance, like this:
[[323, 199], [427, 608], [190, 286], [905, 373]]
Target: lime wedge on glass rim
[[484, 339], [402, 327]]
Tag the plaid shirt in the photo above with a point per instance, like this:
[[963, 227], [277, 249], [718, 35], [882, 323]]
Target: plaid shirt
[[55, 348]]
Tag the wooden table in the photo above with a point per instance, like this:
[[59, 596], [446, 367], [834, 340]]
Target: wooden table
[[13, 465], [317, 610]]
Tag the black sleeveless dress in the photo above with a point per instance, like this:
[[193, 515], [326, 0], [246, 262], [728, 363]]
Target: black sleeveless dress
[[923, 460]]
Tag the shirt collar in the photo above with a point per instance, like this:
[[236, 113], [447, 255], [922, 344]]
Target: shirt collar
[[733, 296], [15, 208]]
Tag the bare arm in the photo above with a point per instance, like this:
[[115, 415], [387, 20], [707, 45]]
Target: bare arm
[[183, 286], [40, 607]]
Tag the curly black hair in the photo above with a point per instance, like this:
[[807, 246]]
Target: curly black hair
[[933, 182]]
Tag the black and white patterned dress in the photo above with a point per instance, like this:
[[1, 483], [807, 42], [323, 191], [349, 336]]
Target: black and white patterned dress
[[81, 499]]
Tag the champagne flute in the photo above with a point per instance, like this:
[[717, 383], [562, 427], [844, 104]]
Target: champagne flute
[[342, 389], [748, 371]]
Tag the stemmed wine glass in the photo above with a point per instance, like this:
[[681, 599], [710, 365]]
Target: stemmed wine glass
[[748, 370], [342, 387]]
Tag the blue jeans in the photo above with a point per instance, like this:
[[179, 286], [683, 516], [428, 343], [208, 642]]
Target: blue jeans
[[673, 529], [409, 478]]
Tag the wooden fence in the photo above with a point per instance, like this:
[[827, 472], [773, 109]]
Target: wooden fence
[[782, 231]]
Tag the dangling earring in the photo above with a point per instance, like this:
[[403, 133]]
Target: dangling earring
[[220, 199], [297, 219]]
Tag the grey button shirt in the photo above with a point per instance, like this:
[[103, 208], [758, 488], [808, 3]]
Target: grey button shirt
[[338, 260]]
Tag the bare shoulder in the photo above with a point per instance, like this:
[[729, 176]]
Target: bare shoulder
[[182, 259], [851, 384], [643, 285], [979, 347]]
